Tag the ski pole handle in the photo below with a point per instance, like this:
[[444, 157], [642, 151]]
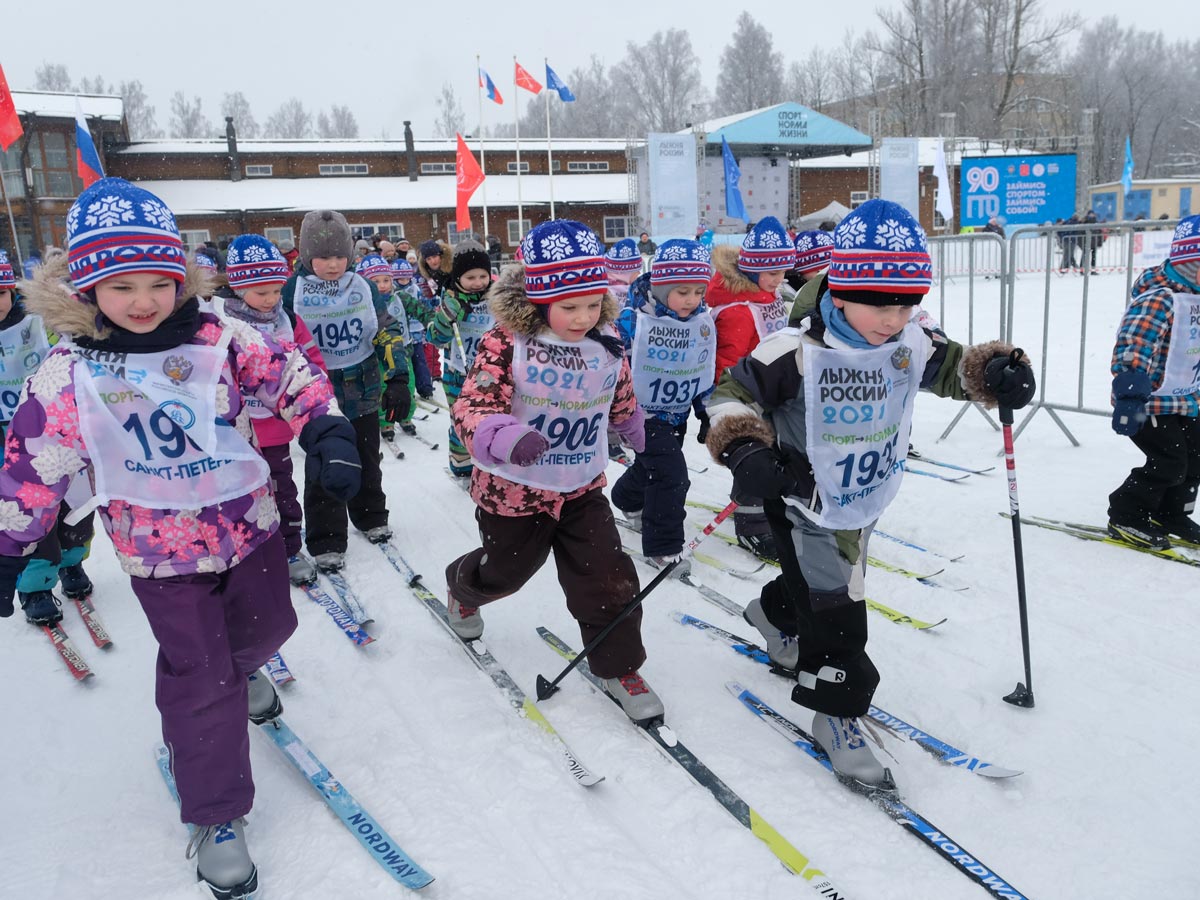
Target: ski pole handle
[[1014, 360]]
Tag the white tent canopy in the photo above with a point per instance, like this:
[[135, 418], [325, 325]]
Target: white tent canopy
[[834, 212]]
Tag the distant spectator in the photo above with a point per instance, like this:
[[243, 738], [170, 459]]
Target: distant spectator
[[1093, 238], [495, 249], [1069, 239], [993, 226], [403, 247], [361, 248], [827, 225], [290, 253], [646, 247], [387, 250]]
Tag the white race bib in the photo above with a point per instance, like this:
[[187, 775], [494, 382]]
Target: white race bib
[[768, 317], [341, 317], [673, 362], [22, 349], [858, 414], [1182, 374], [564, 389], [472, 327]]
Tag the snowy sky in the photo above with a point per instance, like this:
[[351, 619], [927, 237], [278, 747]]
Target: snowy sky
[[388, 65]]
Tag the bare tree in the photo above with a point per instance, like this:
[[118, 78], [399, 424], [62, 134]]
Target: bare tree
[[340, 123], [450, 120], [187, 118], [591, 115], [237, 106], [812, 81], [290, 121], [51, 77], [658, 82], [139, 114], [96, 85], [751, 72]]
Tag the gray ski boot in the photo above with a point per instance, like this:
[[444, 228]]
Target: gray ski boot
[[634, 518], [333, 561], [379, 535], [781, 648], [849, 754], [465, 620], [636, 697], [222, 861], [264, 704], [301, 570]]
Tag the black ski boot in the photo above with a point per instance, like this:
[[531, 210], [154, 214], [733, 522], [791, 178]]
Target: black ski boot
[[75, 582], [40, 607], [1139, 532], [1187, 530]]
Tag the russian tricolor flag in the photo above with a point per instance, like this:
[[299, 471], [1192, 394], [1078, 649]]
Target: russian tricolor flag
[[485, 82], [87, 160]]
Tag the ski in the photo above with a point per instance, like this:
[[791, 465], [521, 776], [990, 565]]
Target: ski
[[349, 599], [340, 617], [67, 652], [432, 404], [392, 448], [432, 445], [709, 561], [938, 748], [952, 478], [383, 847], [910, 545], [279, 671], [664, 738], [95, 627], [917, 455], [1086, 533], [899, 811], [624, 460], [483, 659]]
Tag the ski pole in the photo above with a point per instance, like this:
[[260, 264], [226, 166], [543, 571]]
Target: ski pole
[[547, 689], [462, 351], [1023, 694]]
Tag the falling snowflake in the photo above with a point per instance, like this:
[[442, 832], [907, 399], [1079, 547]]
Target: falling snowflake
[[157, 214], [852, 232], [1184, 229], [589, 243], [256, 254], [770, 240], [11, 517], [894, 236], [556, 247], [54, 463], [108, 211]]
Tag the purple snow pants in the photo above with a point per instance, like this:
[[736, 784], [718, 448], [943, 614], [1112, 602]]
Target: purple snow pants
[[213, 630], [283, 486]]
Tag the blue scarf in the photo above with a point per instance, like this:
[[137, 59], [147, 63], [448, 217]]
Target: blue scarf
[[835, 322], [1175, 275]]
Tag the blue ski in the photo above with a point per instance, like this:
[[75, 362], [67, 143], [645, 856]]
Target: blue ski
[[350, 601], [340, 617], [279, 671]]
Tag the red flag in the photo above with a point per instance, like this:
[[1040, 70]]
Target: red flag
[[10, 122], [469, 176], [525, 80]]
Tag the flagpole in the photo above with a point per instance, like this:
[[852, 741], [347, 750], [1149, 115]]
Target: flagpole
[[517, 123], [482, 158], [549, 151], [12, 223]]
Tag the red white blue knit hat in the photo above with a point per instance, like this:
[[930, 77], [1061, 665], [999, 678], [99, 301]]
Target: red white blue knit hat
[[115, 228], [204, 261], [880, 247], [563, 259], [767, 248], [681, 262], [813, 249], [8, 278], [253, 260], [372, 265], [402, 268], [1185, 245], [623, 256]]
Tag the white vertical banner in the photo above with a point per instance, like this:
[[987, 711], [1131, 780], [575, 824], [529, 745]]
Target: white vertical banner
[[945, 199], [674, 197], [898, 170]]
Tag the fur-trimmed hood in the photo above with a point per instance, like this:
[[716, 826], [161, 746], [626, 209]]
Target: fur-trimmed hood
[[730, 284], [447, 261], [50, 294], [512, 308]]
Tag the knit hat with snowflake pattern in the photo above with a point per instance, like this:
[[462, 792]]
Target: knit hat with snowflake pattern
[[253, 260], [767, 248], [8, 278], [563, 259], [324, 233], [813, 249], [371, 265], [623, 257], [880, 256], [204, 261], [402, 268], [117, 228], [1185, 244], [681, 262]]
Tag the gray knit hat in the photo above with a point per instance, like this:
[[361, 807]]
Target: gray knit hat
[[324, 232]]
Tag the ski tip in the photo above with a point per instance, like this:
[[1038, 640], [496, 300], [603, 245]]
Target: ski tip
[[734, 688]]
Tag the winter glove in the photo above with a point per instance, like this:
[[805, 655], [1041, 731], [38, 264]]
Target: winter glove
[[633, 430], [452, 308], [501, 439], [11, 568], [397, 399], [333, 462], [1010, 381], [758, 472], [1131, 389]]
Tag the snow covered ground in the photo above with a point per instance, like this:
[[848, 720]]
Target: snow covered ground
[[477, 797]]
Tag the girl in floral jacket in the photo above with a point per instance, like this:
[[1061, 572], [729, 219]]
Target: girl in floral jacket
[[149, 396], [546, 383]]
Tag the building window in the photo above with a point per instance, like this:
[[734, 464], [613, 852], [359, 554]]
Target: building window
[[454, 237], [343, 169], [279, 236], [858, 198], [617, 227], [193, 239], [437, 168], [10, 168], [259, 171], [390, 230], [517, 230], [512, 168], [53, 166], [556, 166], [587, 166]]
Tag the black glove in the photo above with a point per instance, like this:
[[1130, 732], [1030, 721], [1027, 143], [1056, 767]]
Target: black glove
[[758, 472], [1011, 383], [11, 568], [397, 399], [333, 462], [1131, 389]]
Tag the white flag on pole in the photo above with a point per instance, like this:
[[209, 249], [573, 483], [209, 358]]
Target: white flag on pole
[[945, 199]]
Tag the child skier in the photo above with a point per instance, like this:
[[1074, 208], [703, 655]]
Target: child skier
[[622, 264], [419, 314], [1156, 399], [743, 297], [148, 398], [815, 420], [256, 272], [673, 360], [378, 271], [353, 329], [461, 321], [433, 267], [546, 382], [813, 249]]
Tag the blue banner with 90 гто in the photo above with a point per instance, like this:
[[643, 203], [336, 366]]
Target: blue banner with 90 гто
[[1020, 190]]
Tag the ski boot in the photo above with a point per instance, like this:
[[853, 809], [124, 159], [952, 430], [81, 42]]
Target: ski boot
[[388, 433], [265, 704], [634, 519], [409, 428], [301, 570], [683, 567], [853, 762], [1139, 533], [380, 534], [40, 607], [464, 620], [222, 861], [75, 582], [1182, 527], [782, 649], [333, 561], [636, 697], [761, 545]]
